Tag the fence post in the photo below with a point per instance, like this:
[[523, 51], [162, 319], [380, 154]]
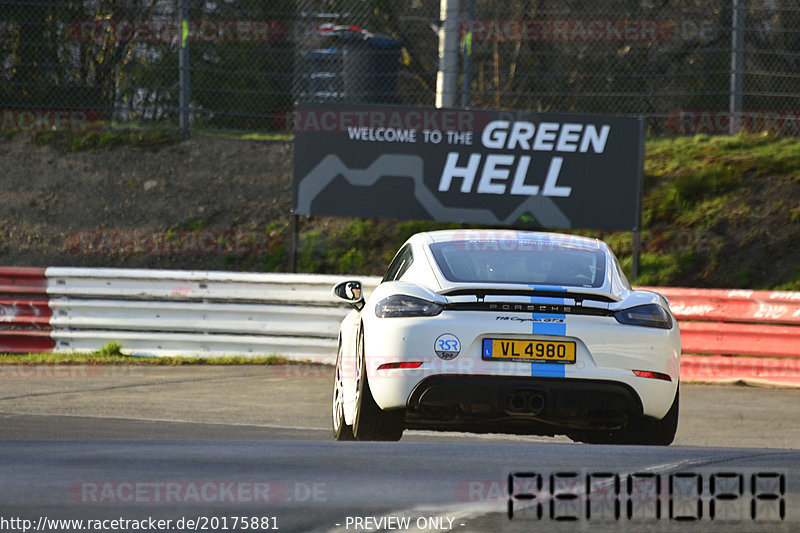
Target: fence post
[[466, 81], [636, 253], [295, 228], [183, 66], [447, 78], [737, 63]]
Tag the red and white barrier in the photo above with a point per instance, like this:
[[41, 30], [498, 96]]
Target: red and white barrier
[[762, 326], [753, 370], [24, 306], [161, 312], [734, 305], [23, 280], [170, 312]]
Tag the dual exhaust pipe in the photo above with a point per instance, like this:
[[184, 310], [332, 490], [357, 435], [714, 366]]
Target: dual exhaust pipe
[[529, 403]]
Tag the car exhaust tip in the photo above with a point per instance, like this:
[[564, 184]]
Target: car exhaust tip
[[527, 403], [535, 403], [517, 402]]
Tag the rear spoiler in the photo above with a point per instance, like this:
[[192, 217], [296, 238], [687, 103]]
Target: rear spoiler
[[481, 293]]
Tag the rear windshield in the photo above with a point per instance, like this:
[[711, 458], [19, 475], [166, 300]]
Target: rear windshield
[[527, 263]]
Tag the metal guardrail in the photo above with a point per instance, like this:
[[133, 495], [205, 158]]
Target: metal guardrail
[[186, 285], [170, 312], [737, 322], [167, 312], [761, 326]]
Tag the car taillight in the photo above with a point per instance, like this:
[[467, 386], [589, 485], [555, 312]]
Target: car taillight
[[652, 375], [405, 364], [401, 305], [650, 315]]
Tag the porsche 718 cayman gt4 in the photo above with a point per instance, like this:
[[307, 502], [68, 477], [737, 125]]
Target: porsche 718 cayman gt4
[[508, 332]]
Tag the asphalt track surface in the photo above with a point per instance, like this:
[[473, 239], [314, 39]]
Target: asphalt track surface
[[211, 444]]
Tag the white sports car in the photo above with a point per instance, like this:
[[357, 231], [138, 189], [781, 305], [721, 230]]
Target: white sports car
[[507, 332]]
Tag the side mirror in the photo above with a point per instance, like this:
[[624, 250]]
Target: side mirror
[[351, 292]]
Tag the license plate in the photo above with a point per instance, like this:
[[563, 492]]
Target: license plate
[[529, 350]]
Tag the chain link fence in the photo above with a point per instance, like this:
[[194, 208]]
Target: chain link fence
[[679, 63], [684, 64]]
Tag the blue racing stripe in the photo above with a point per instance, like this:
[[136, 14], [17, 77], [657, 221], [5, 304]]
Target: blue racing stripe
[[547, 300], [548, 370], [551, 288], [549, 328]]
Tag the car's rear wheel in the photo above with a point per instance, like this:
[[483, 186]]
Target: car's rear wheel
[[644, 431], [656, 432], [371, 422], [341, 431]]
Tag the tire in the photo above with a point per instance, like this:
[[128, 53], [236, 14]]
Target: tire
[[371, 422], [653, 432], [645, 431], [341, 431], [589, 436]]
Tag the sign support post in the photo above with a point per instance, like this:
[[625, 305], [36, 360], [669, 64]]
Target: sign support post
[[183, 67], [295, 229]]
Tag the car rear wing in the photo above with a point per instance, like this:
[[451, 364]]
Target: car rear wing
[[579, 297]]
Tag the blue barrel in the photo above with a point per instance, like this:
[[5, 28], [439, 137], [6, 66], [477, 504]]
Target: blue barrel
[[325, 74], [371, 64]]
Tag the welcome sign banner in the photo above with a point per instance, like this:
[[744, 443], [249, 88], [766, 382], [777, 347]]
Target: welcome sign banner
[[499, 168]]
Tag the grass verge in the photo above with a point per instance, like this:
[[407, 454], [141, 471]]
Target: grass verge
[[76, 142], [111, 354]]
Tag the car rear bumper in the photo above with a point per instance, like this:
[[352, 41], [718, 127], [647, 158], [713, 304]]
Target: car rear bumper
[[520, 404]]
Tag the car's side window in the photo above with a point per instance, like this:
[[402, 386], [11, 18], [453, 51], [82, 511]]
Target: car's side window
[[621, 274], [400, 264]]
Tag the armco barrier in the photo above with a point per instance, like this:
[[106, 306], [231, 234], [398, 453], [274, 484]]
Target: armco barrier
[[734, 305], [21, 280], [717, 323], [756, 370], [24, 311], [25, 341], [161, 312], [165, 312]]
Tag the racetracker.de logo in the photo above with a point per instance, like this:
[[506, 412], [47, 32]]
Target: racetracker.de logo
[[171, 31], [196, 492], [42, 120], [355, 121], [126, 242], [569, 30], [691, 122], [64, 371]]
